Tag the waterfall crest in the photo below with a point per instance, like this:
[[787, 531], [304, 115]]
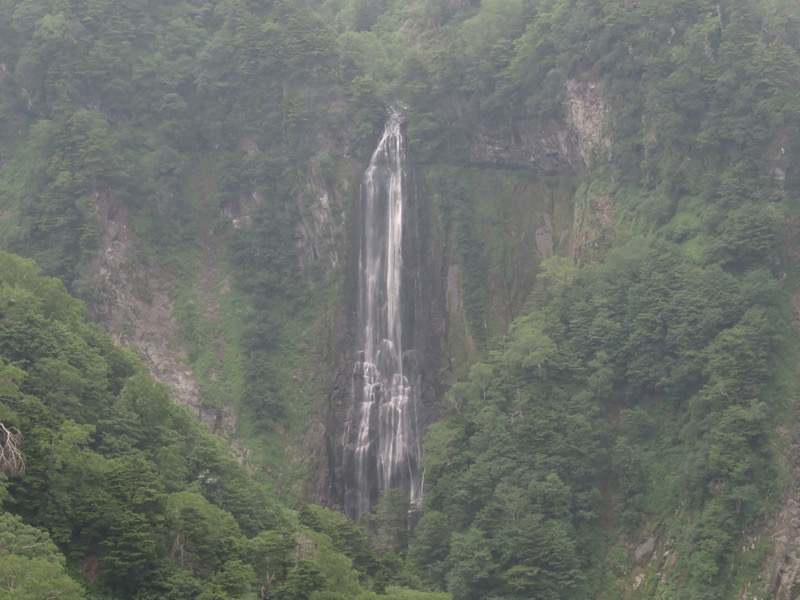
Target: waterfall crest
[[383, 433]]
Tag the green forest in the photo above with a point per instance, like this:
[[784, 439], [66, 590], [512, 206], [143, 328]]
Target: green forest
[[617, 415]]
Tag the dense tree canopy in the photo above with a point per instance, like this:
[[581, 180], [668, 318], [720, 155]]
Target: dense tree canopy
[[638, 390], [141, 499]]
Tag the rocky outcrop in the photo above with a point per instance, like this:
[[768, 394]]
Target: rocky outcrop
[[592, 228], [131, 301], [587, 113], [320, 228], [554, 147], [544, 237], [645, 548], [782, 567], [778, 165], [549, 149]]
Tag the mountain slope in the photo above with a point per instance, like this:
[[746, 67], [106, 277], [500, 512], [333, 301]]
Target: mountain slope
[[614, 190]]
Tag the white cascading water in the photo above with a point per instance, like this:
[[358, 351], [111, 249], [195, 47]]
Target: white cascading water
[[382, 444]]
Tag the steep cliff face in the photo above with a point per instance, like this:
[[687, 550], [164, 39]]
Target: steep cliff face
[[519, 190], [181, 309], [545, 148], [132, 302], [587, 116], [566, 141], [497, 226], [410, 267], [322, 242], [526, 203], [568, 145], [318, 229], [477, 262]]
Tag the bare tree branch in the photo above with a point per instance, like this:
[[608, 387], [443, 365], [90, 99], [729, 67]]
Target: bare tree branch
[[12, 463]]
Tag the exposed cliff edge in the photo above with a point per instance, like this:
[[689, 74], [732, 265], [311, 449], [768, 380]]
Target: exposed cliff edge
[[587, 116], [319, 231], [131, 300], [551, 147], [521, 218], [133, 292]]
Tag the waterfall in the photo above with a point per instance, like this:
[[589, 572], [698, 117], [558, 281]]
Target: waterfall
[[383, 432]]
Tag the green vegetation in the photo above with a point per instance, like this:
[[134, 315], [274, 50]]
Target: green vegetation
[[125, 489], [645, 378], [182, 114], [645, 385], [31, 565]]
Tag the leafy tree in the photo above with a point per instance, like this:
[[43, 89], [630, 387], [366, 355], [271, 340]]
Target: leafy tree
[[233, 580], [30, 564], [271, 554], [303, 579], [429, 548], [471, 568], [547, 563], [391, 517], [35, 578], [202, 535]]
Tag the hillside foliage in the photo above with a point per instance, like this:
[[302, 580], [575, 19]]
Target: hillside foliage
[[124, 494], [641, 389]]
